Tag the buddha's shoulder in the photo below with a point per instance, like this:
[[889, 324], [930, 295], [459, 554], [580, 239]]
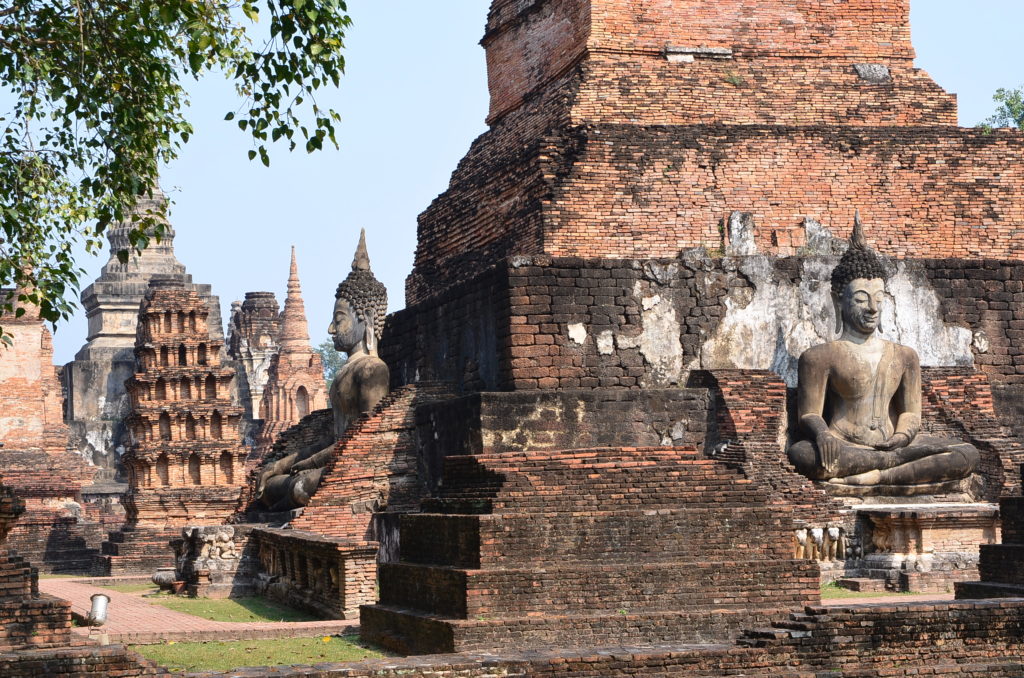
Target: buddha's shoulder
[[907, 353], [820, 354], [369, 366]]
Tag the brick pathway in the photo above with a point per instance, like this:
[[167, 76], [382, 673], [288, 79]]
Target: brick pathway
[[891, 599], [133, 619]]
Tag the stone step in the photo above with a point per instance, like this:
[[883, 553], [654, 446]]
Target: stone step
[[411, 632], [861, 584]]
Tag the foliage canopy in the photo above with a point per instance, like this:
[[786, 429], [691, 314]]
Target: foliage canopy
[[93, 103], [332, 360], [1010, 109]]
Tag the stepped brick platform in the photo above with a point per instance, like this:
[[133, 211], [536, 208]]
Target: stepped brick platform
[[1001, 566], [587, 547], [135, 549], [326, 560]]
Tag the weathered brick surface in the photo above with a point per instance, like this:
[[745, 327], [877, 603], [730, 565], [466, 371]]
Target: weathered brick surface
[[60, 534], [538, 547], [1001, 566], [623, 132]]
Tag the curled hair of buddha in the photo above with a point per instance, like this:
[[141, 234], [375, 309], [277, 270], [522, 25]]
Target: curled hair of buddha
[[859, 261], [364, 293]]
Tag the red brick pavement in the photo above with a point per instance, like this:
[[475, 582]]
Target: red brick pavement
[[133, 619]]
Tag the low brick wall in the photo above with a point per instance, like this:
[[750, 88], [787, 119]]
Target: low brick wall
[[977, 639]]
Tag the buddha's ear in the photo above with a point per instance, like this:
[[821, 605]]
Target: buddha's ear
[[371, 334], [837, 306]]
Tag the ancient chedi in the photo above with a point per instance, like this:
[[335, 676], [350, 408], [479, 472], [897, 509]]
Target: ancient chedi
[[185, 462], [870, 389], [97, 403], [252, 343], [361, 303], [35, 458], [632, 258], [295, 377]]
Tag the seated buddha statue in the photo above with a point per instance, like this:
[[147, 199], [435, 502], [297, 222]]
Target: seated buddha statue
[[859, 398], [360, 306]]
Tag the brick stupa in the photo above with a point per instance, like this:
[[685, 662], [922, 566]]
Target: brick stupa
[[186, 459], [295, 378]]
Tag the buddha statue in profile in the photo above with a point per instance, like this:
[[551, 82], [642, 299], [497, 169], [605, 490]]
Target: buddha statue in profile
[[859, 399], [360, 307]]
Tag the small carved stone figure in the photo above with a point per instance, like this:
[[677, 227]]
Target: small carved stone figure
[[860, 398], [835, 547], [800, 544], [816, 544], [360, 307]]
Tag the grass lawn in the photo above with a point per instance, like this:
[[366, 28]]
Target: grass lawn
[[834, 591], [224, 656], [233, 609], [136, 587]]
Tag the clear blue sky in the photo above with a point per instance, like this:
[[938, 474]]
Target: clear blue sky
[[413, 99]]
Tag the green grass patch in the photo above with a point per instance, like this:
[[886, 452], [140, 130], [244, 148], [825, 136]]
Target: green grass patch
[[225, 656], [136, 587], [233, 609], [834, 591]]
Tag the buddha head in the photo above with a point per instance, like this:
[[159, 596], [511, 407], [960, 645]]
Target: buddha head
[[858, 285], [360, 305]]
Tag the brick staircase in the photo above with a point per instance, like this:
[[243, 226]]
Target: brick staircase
[[135, 549], [587, 547]]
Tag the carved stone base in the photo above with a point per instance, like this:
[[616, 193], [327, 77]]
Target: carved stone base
[[966, 487], [923, 547]]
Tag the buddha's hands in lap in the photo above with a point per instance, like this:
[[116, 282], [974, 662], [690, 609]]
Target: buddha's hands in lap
[[896, 441], [829, 450]]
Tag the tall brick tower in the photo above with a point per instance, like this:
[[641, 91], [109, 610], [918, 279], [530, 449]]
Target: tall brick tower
[[295, 384], [185, 463]]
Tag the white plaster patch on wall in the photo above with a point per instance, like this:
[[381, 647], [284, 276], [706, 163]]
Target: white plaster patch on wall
[[781, 320], [578, 333], [913, 317], [606, 343], [659, 342], [771, 328]]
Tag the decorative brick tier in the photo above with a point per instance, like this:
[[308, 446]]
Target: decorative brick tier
[[586, 547]]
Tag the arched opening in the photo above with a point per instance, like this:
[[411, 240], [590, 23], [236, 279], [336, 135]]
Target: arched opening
[[211, 387], [216, 426], [161, 389], [142, 477], [167, 322], [192, 321], [201, 359], [165, 358], [227, 468], [181, 321], [302, 401], [186, 389], [182, 356], [194, 474], [162, 470], [165, 426], [190, 427]]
